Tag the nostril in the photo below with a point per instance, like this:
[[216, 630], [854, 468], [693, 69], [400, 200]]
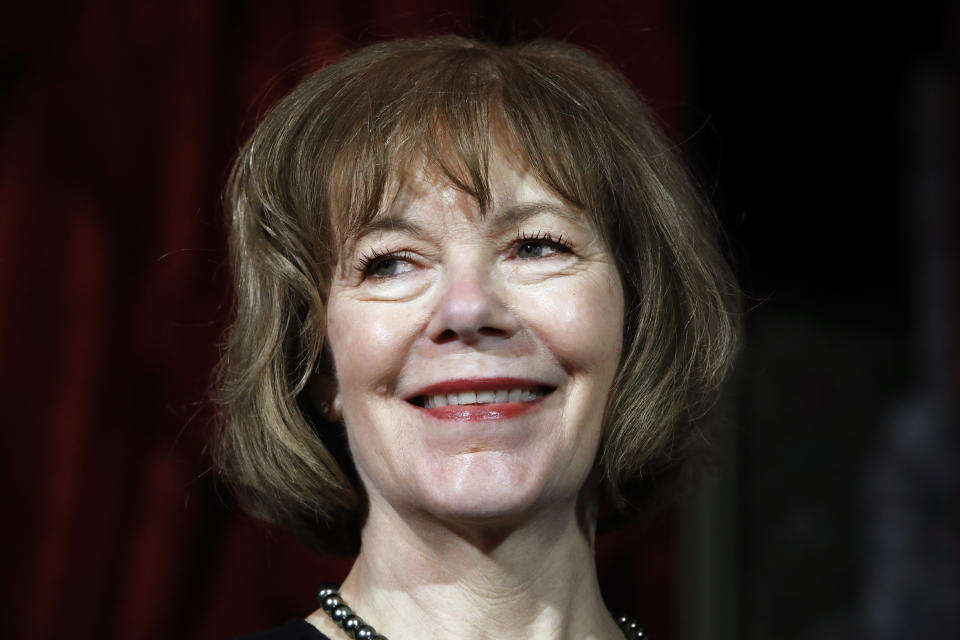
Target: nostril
[[448, 335]]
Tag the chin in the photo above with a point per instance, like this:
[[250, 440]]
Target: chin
[[491, 488]]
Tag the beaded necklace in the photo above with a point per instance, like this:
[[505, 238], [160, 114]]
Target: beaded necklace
[[328, 595]]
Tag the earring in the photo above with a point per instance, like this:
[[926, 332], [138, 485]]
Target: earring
[[331, 411], [335, 409], [325, 396]]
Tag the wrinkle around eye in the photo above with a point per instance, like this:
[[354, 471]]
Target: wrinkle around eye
[[541, 270], [402, 286]]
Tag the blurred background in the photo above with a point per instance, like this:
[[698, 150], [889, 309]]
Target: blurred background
[[826, 134]]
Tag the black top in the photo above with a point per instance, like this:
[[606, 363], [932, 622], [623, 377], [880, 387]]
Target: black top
[[300, 629], [296, 629]]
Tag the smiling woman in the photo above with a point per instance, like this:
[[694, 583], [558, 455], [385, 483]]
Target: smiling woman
[[459, 308], [477, 298]]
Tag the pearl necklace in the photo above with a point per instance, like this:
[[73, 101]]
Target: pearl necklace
[[328, 595]]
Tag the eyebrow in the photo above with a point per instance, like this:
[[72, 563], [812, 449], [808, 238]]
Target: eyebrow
[[516, 214], [512, 216]]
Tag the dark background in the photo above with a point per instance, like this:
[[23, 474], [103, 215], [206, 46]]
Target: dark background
[[824, 132]]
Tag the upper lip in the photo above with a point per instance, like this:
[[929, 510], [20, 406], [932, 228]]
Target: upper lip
[[479, 384]]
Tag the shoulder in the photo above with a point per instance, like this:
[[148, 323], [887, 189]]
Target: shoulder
[[296, 629]]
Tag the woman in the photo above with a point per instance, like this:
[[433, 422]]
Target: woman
[[478, 300]]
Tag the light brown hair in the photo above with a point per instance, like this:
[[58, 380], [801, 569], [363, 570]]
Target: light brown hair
[[321, 164]]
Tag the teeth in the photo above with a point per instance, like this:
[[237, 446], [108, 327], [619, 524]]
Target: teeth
[[481, 397]]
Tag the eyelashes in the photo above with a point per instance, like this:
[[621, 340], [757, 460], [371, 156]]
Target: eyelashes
[[385, 263], [560, 244], [373, 260]]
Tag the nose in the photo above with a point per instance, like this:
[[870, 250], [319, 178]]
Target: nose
[[471, 309]]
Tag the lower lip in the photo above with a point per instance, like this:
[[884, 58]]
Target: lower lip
[[482, 412]]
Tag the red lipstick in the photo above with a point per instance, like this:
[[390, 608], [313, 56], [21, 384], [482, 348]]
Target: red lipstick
[[480, 412], [478, 384]]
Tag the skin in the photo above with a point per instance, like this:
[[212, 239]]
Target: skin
[[476, 529]]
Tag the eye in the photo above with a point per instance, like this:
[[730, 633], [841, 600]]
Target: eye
[[384, 265], [540, 245]]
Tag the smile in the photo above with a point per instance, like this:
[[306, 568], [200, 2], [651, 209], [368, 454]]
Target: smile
[[462, 398], [482, 399]]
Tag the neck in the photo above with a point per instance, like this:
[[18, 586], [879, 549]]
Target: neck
[[420, 578]]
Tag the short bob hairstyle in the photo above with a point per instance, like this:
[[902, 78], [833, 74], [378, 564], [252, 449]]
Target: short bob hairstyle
[[326, 158]]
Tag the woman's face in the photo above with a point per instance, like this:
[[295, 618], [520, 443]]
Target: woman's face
[[474, 354]]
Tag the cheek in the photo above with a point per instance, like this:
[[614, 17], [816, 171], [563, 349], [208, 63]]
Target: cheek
[[367, 344], [582, 322], [360, 342], [370, 343]]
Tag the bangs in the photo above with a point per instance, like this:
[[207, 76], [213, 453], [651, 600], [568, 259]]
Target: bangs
[[445, 115]]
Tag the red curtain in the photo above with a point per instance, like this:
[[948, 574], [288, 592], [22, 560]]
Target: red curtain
[[118, 121]]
